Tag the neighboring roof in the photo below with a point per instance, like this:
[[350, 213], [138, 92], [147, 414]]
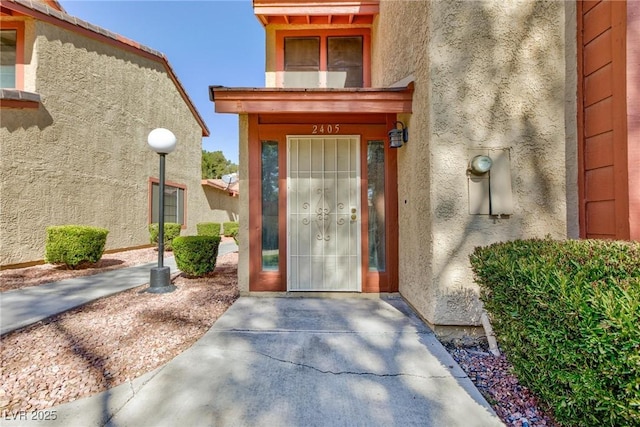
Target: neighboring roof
[[218, 184], [46, 10], [315, 12], [282, 100]]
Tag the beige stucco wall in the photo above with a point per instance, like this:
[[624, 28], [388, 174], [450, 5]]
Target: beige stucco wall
[[82, 157], [243, 226], [222, 206], [488, 74]]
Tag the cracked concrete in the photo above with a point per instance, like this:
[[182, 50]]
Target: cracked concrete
[[299, 362]]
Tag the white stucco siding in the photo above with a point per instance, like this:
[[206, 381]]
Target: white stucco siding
[[82, 157]]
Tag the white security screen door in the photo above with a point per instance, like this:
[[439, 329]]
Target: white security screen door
[[323, 207]]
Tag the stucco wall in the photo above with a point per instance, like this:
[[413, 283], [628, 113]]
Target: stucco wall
[[222, 206], [487, 74], [243, 228], [82, 157]]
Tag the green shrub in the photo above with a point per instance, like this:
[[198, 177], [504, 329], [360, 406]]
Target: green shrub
[[229, 228], [72, 245], [196, 255], [208, 229], [171, 231], [567, 314], [235, 236]]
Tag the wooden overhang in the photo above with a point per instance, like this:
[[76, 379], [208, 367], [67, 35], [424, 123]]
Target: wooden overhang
[[396, 100], [316, 12]]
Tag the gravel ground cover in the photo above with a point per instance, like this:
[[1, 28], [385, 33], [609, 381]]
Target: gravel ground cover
[[110, 341], [493, 376], [116, 339]]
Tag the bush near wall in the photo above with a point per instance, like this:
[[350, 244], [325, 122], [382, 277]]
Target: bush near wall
[[72, 245], [171, 231], [567, 314], [208, 228], [230, 228], [196, 255]]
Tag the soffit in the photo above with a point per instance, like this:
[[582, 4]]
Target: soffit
[[315, 12], [278, 100]]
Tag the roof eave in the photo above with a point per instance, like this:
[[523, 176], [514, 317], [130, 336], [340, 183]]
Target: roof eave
[[342, 101], [59, 18]]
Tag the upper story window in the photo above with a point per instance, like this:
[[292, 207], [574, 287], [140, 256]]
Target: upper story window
[[11, 55], [8, 59], [331, 59]]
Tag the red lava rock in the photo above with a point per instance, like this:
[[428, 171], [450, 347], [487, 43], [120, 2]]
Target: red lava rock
[[73, 355]]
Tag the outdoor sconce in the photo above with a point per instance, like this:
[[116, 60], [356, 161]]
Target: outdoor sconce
[[480, 165], [398, 136]]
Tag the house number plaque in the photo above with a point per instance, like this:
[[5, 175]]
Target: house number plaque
[[325, 129]]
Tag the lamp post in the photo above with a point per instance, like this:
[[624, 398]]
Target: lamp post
[[163, 142]]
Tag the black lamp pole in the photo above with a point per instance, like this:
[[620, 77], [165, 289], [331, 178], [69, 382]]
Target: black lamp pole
[[160, 280], [161, 213]]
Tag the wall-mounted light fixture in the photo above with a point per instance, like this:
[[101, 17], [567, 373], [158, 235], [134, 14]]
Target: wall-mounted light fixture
[[398, 136], [480, 165]]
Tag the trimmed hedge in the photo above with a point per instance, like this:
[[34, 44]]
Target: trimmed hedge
[[171, 231], [567, 314], [230, 228], [208, 228], [72, 245], [196, 255]]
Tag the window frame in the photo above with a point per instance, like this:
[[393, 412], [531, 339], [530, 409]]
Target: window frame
[[18, 26], [156, 181], [324, 35]]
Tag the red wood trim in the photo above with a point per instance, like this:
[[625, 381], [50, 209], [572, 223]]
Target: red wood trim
[[255, 204], [153, 180], [243, 101], [301, 7], [307, 129], [367, 285], [597, 20], [19, 27], [18, 103], [365, 33], [282, 211], [268, 281], [292, 119], [619, 113], [633, 117], [276, 281], [580, 119]]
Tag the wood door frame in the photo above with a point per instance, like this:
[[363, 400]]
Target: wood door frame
[[275, 127]]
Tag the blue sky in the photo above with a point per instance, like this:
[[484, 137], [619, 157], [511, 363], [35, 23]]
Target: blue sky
[[212, 42]]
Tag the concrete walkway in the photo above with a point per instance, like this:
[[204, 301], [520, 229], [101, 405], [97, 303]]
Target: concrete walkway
[[22, 307], [297, 362]]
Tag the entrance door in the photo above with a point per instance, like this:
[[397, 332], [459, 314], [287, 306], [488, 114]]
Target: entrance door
[[323, 207]]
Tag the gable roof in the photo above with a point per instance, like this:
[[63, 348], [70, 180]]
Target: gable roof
[[219, 184], [50, 11]]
